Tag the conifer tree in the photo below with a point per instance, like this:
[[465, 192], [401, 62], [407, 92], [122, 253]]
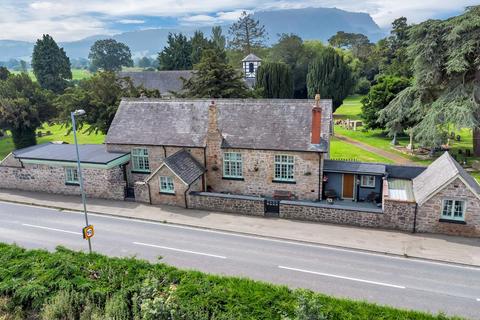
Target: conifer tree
[[247, 34], [274, 80]]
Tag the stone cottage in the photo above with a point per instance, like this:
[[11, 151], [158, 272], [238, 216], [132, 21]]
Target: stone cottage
[[255, 157]]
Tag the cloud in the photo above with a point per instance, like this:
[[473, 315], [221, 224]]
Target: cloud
[[131, 21], [73, 19]]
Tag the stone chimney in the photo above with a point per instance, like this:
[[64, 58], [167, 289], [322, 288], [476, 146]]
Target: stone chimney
[[212, 118], [316, 121]]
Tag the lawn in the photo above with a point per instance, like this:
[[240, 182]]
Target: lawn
[[77, 74], [350, 109], [59, 133], [340, 150]]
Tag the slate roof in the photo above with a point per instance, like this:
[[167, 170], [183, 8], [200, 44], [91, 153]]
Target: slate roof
[[251, 57], [163, 81], [404, 172], [438, 174], [354, 167], [89, 153], [185, 166], [246, 124]]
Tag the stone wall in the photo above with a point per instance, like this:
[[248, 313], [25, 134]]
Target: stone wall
[[258, 174], [175, 199], [156, 155], [429, 213], [247, 205], [99, 183], [396, 215]]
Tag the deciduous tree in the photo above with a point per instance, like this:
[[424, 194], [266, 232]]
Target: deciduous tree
[[110, 55]]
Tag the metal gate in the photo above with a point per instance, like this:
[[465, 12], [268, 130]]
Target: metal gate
[[272, 208]]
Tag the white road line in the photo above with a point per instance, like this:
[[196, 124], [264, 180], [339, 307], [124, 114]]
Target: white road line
[[51, 229], [343, 277], [232, 233], [478, 299], [179, 250]]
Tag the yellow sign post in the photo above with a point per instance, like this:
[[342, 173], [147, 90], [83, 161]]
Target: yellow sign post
[[88, 232]]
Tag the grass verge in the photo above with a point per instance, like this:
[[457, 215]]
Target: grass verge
[[73, 285]]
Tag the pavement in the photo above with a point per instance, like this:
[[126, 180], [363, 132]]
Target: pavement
[[450, 249], [383, 279]]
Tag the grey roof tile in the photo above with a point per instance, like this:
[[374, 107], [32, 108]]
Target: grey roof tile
[[185, 166], [163, 81], [437, 175], [248, 124], [89, 153], [354, 167], [251, 57]]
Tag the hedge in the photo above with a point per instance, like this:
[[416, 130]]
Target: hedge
[[65, 284]]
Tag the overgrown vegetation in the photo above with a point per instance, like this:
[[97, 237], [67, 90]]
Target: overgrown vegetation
[[71, 285]]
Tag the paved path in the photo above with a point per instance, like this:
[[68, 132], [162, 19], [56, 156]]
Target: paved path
[[395, 281], [386, 154], [436, 247]]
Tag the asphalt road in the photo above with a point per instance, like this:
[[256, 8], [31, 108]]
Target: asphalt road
[[390, 280]]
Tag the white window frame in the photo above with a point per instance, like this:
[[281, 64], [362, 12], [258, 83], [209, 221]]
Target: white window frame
[[166, 185], [365, 181], [233, 165], [140, 160], [71, 175], [451, 210], [284, 168]]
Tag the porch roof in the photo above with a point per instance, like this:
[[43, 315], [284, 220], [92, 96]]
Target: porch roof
[[377, 169]]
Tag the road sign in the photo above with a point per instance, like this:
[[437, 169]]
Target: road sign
[[88, 232]]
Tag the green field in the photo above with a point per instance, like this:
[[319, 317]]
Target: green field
[[59, 133], [77, 74], [350, 109]]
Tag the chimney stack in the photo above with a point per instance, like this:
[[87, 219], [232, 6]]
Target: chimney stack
[[316, 121], [213, 118]]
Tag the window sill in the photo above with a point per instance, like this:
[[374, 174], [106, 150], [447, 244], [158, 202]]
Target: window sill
[[367, 187], [140, 172], [452, 221], [282, 181], [167, 193], [233, 178], [72, 184]]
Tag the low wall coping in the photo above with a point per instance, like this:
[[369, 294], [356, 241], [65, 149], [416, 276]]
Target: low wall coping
[[330, 206], [226, 196]]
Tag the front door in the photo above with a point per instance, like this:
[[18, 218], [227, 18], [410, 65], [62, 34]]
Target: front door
[[348, 186]]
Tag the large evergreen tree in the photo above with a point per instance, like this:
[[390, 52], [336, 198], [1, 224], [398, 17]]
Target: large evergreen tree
[[218, 38], [110, 55], [199, 44], [177, 55], [330, 76], [24, 106], [379, 97], [247, 34], [51, 65], [214, 78], [446, 86], [274, 80]]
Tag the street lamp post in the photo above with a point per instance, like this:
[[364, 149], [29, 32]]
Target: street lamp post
[[78, 113]]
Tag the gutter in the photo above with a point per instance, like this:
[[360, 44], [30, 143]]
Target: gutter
[[415, 219], [164, 152], [188, 189]]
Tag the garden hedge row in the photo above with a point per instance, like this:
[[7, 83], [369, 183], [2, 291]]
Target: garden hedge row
[[72, 285]]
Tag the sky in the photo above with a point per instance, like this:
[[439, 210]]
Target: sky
[[68, 20]]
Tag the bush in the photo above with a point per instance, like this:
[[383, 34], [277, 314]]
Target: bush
[[74, 285], [363, 86]]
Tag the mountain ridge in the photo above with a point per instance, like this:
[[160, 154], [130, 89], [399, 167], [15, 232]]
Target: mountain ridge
[[308, 23]]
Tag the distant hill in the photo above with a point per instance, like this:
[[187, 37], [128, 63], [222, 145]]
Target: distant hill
[[309, 23]]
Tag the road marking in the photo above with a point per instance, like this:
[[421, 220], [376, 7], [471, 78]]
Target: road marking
[[179, 250], [343, 277], [478, 299], [51, 229], [232, 233]]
